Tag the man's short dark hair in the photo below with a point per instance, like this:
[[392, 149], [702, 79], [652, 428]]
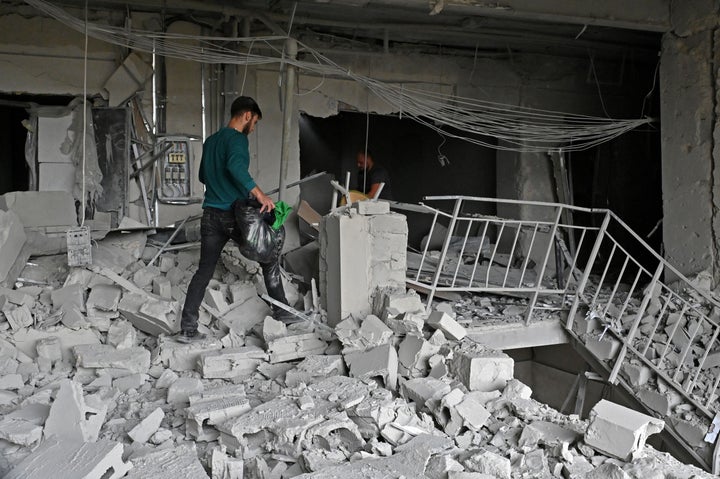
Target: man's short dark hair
[[243, 104]]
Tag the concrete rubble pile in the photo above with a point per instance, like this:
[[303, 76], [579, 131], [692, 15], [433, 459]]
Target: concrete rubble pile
[[675, 341], [401, 393], [93, 385]]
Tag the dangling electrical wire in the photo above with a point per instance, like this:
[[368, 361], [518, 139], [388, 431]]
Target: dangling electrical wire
[[84, 128], [475, 121]]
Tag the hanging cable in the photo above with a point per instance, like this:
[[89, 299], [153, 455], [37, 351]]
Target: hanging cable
[[84, 128], [474, 121]]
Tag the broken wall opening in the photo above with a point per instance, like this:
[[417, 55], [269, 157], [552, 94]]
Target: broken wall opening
[[419, 160], [13, 134]]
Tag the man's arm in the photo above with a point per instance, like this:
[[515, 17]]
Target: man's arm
[[239, 163], [373, 189], [267, 204]]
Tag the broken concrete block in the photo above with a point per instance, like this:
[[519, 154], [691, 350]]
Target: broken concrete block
[[147, 427], [618, 431], [242, 318], [166, 263], [162, 287], [104, 297], [212, 411], [224, 466], [473, 413], [487, 462], [692, 432], [395, 303], [547, 434], [356, 336], [315, 368], [150, 316], [180, 391], [295, 347], [712, 360], [413, 356], [73, 318], [422, 390], [174, 463], [12, 240], [372, 207], [480, 368], [516, 390], [655, 400], [19, 318], [184, 357], [438, 467], [636, 374], [231, 363], [69, 459], [273, 329], [167, 377], [446, 324], [408, 323], [70, 295], [381, 361], [71, 418], [18, 431], [144, 276], [49, 348], [131, 381], [135, 359], [25, 340], [216, 299], [11, 382], [122, 334], [603, 349]]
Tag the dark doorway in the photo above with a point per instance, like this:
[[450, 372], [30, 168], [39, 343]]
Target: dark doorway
[[419, 160], [14, 171]]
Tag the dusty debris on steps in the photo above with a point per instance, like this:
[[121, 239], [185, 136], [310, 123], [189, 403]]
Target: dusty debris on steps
[[677, 369], [392, 394]]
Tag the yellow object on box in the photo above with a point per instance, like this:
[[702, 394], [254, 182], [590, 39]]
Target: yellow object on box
[[354, 197]]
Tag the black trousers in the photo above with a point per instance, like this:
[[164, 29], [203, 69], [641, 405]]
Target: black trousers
[[216, 228]]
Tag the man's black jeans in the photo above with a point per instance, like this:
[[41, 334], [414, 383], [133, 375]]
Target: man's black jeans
[[216, 228]]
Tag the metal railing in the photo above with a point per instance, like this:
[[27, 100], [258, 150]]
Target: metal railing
[[488, 253], [603, 271]]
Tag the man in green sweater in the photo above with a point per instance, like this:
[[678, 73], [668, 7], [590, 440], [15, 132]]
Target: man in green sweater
[[224, 172]]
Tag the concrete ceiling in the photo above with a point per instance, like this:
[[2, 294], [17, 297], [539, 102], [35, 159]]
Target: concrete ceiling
[[605, 28]]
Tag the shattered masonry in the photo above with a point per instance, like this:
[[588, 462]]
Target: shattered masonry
[[93, 386]]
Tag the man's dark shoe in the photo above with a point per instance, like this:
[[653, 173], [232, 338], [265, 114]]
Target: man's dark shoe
[[187, 337]]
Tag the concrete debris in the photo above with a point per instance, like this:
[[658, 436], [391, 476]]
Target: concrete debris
[[90, 373], [445, 323], [12, 240], [71, 417], [147, 427], [173, 463], [619, 431], [480, 368], [298, 346], [69, 459]]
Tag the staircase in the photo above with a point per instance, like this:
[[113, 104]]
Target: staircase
[[654, 339]]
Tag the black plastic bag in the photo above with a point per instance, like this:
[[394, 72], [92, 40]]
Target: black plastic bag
[[260, 242]]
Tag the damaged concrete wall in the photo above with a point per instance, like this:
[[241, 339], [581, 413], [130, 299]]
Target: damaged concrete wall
[[29, 45], [689, 87]]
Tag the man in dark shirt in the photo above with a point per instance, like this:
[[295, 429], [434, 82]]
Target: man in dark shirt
[[224, 172], [372, 175]]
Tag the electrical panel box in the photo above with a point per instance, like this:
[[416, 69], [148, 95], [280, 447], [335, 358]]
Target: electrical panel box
[[175, 168]]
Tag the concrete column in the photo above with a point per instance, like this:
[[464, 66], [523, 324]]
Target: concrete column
[[689, 89]]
